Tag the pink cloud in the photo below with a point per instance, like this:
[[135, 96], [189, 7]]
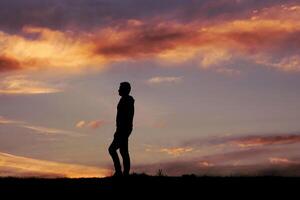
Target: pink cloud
[[256, 141], [96, 124], [91, 124], [285, 161]]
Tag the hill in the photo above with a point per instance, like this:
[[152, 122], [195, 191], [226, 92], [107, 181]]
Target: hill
[[153, 185]]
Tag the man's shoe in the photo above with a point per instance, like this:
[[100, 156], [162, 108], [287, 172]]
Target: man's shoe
[[117, 174], [126, 174]]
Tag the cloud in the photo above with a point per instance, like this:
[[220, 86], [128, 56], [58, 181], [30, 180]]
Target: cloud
[[92, 124], [287, 64], [271, 154], [140, 41], [221, 42], [178, 168], [66, 14], [176, 151], [95, 124], [257, 141], [284, 161], [50, 49], [246, 141], [39, 129], [206, 164], [51, 131], [12, 165], [3, 120], [173, 151], [80, 124], [249, 162], [241, 155], [8, 64], [267, 36], [165, 79], [22, 85]]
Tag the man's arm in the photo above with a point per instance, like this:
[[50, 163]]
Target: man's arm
[[131, 111]]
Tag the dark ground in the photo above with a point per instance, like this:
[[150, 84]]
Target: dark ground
[[146, 186]]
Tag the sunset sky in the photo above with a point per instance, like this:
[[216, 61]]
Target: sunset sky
[[216, 85]]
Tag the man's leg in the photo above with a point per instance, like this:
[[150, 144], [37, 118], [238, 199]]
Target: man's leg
[[113, 153], [125, 155]]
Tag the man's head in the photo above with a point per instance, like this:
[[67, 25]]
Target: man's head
[[124, 89]]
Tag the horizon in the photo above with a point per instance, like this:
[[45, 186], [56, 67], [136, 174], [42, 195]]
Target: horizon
[[216, 86]]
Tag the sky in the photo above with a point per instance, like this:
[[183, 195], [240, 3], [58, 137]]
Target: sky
[[215, 83]]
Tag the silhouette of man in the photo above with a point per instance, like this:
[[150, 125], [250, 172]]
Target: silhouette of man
[[125, 112]]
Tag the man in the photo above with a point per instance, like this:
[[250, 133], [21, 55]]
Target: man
[[125, 112]]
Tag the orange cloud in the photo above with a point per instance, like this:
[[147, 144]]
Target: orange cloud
[[80, 124], [50, 49], [176, 151], [12, 165], [7, 64], [21, 85], [205, 164], [164, 79], [269, 37], [4, 120]]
